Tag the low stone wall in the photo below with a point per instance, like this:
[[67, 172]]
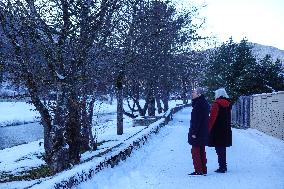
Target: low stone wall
[[144, 121], [112, 155]]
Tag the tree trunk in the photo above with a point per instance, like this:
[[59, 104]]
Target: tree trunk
[[119, 97], [46, 119], [92, 141], [142, 111], [73, 128], [132, 108], [159, 105], [111, 95], [184, 93], [84, 144], [60, 149], [119, 111], [151, 105], [165, 100], [47, 125], [66, 129]]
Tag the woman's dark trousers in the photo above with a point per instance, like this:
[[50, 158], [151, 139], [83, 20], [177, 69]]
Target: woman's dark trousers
[[221, 152]]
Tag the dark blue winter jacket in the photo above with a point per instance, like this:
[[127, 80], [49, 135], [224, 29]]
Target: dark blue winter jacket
[[199, 122]]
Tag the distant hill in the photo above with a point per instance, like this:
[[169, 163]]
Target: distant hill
[[261, 50]]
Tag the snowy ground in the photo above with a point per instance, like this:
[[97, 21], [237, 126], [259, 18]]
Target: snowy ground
[[254, 161]]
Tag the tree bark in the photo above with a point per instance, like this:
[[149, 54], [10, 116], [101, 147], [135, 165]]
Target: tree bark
[[73, 128], [84, 144], [60, 149], [119, 111], [151, 105], [184, 93], [165, 100], [119, 97], [46, 119]]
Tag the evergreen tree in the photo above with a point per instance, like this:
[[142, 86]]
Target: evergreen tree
[[219, 71], [255, 77], [234, 67], [270, 75], [242, 67]]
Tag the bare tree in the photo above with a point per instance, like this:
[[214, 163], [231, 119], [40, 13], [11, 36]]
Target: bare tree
[[159, 34], [54, 43]]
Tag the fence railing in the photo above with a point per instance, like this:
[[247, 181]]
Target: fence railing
[[241, 112]]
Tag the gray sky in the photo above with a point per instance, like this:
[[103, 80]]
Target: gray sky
[[260, 21]]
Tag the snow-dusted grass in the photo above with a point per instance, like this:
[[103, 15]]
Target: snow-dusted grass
[[20, 158]]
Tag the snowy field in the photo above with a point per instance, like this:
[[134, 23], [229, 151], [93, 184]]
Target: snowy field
[[255, 161], [15, 113]]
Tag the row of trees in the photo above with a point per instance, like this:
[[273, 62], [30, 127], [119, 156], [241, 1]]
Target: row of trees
[[67, 53], [79, 49], [234, 67]]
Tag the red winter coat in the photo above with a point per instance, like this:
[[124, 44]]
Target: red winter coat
[[220, 133]]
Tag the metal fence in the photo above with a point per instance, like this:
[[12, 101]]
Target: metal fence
[[241, 112]]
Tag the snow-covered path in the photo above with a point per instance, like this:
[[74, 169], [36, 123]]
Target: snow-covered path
[[254, 161]]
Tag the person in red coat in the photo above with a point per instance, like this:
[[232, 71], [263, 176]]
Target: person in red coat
[[220, 133], [198, 131]]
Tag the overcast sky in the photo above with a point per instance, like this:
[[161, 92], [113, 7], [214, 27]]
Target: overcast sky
[[260, 21]]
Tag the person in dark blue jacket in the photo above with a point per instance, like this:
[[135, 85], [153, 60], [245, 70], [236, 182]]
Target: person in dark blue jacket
[[198, 131]]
